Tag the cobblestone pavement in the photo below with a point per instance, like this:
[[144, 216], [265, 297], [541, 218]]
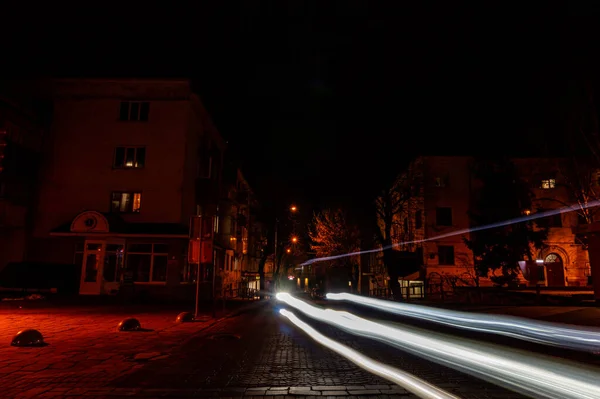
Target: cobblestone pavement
[[84, 352], [262, 354]]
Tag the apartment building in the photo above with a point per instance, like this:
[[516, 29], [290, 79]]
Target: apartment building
[[437, 211], [240, 237], [129, 162]]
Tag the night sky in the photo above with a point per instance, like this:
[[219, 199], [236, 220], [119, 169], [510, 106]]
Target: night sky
[[324, 101]]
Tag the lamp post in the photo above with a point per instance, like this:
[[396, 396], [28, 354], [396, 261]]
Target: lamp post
[[293, 209]]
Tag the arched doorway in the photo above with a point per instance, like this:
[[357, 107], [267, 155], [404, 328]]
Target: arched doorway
[[555, 270]]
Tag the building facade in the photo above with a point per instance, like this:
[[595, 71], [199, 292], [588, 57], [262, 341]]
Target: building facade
[[240, 238], [442, 192], [22, 132], [129, 162]]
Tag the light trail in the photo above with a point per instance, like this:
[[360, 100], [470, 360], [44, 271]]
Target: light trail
[[535, 376], [520, 219], [407, 381], [577, 338]]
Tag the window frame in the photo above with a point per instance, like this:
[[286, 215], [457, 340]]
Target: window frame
[[550, 183], [152, 254], [440, 257], [132, 193], [437, 209], [125, 148], [139, 110]]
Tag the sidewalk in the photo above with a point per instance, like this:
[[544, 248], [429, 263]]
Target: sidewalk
[[85, 350]]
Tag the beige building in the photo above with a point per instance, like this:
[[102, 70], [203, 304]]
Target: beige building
[[437, 212], [239, 236], [129, 162]]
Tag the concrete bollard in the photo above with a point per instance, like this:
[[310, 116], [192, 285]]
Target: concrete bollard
[[184, 317], [129, 324], [28, 337]]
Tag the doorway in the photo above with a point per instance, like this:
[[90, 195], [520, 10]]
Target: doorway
[[91, 268], [555, 270], [101, 267]]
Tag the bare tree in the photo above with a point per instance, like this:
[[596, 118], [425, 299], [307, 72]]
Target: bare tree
[[580, 169], [392, 203], [331, 234]]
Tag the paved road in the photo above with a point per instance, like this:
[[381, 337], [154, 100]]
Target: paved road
[[263, 354], [543, 314]]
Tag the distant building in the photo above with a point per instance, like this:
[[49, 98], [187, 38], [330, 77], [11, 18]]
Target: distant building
[[240, 238], [129, 162], [22, 132], [443, 189]]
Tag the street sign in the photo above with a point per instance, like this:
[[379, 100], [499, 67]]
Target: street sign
[[194, 251]]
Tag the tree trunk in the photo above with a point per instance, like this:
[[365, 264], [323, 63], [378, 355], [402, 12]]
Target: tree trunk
[[261, 275], [392, 271], [276, 273]]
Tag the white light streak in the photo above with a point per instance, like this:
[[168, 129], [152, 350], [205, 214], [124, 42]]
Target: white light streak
[[520, 219], [577, 338], [533, 375], [407, 381]]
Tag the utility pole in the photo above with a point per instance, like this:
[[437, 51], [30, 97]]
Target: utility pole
[[197, 310], [275, 276]]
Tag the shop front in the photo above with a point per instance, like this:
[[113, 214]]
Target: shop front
[[112, 254]]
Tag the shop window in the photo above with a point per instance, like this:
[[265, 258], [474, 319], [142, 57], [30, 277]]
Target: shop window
[[148, 262]]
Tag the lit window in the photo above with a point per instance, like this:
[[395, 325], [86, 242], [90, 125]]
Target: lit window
[[548, 183], [126, 202], [130, 157], [147, 262], [134, 111]]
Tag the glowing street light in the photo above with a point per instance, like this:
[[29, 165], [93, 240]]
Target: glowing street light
[[288, 250], [294, 239], [293, 208]]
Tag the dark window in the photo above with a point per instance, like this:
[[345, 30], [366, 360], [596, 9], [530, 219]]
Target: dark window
[[556, 220], [134, 111], [130, 157], [144, 111], [550, 221], [419, 253], [443, 216], [126, 202], [124, 111], [445, 254], [418, 219], [405, 225]]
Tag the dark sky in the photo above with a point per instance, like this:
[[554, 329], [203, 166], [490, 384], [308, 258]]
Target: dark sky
[[324, 100]]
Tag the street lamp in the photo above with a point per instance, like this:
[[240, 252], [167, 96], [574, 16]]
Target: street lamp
[[288, 250], [294, 239], [293, 208]]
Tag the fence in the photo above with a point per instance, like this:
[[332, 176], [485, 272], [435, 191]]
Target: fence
[[412, 291]]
